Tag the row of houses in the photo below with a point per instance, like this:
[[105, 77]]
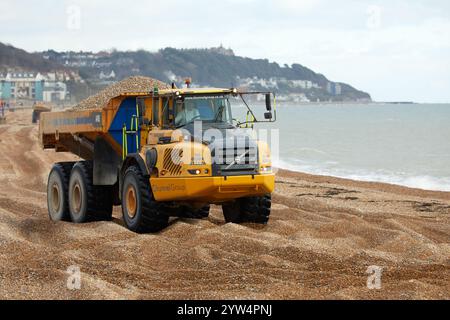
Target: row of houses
[[333, 88], [275, 82], [33, 86]]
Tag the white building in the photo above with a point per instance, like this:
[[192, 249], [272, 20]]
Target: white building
[[109, 76], [54, 91], [33, 86], [334, 88]]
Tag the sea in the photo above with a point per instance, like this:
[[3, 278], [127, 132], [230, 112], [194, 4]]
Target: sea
[[403, 144]]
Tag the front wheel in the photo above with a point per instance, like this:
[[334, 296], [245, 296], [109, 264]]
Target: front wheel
[[251, 209], [141, 213], [191, 213]]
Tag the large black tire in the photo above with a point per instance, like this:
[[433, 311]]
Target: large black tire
[[251, 209], [86, 201], [191, 213], [141, 213], [57, 191]]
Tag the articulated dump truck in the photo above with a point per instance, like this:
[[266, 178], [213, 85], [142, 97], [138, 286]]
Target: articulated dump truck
[[160, 154]]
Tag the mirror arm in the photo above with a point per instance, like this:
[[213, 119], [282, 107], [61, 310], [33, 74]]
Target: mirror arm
[[250, 110], [273, 111]]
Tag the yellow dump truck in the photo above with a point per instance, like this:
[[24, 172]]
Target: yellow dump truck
[[158, 154]]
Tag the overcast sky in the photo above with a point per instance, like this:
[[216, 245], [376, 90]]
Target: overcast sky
[[393, 49]]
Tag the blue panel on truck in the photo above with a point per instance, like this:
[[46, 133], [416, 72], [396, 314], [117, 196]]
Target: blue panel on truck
[[124, 116]]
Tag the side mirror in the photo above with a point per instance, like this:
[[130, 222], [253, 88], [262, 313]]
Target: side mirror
[[268, 102], [268, 115]]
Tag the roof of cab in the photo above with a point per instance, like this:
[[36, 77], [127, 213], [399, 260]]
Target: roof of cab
[[196, 91], [183, 91]]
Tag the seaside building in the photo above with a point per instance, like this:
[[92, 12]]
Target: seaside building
[[32, 86], [334, 88], [106, 76]]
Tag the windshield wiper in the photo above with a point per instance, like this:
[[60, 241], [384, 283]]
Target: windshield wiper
[[219, 113]]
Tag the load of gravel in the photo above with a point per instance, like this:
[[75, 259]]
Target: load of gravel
[[128, 85]]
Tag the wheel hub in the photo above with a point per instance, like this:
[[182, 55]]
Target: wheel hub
[[76, 198], [131, 201], [55, 197]]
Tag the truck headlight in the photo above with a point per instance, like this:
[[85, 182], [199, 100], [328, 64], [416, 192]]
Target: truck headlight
[[198, 172], [267, 169]]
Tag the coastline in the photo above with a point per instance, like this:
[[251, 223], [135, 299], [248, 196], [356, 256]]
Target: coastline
[[387, 186]]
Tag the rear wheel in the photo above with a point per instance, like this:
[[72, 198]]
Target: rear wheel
[[141, 213], [57, 191], [86, 201], [251, 209]]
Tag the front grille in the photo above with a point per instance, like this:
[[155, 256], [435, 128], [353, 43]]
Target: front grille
[[247, 155], [172, 161], [235, 160]]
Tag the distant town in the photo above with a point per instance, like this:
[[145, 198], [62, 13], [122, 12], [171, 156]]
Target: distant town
[[48, 87], [68, 77]]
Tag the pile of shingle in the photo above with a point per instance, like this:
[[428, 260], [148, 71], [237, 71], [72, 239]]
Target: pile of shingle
[[128, 85]]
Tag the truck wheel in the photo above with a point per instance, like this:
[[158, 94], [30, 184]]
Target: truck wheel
[[86, 201], [196, 213], [81, 193], [251, 209], [141, 213], [57, 191]]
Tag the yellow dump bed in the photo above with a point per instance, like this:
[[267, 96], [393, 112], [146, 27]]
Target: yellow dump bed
[[56, 125]]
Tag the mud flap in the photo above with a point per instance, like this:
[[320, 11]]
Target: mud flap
[[106, 163]]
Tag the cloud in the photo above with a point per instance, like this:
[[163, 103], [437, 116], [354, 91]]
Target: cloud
[[374, 45], [297, 6]]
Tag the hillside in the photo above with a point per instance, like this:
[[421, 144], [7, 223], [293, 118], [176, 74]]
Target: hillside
[[207, 67], [20, 60]]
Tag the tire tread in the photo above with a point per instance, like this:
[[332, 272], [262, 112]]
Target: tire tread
[[153, 218], [251, 209], [64, 169]]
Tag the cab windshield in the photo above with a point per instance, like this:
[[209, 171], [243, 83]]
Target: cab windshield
[[209, 109]]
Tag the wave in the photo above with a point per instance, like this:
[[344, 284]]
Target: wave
[[424, 182]]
